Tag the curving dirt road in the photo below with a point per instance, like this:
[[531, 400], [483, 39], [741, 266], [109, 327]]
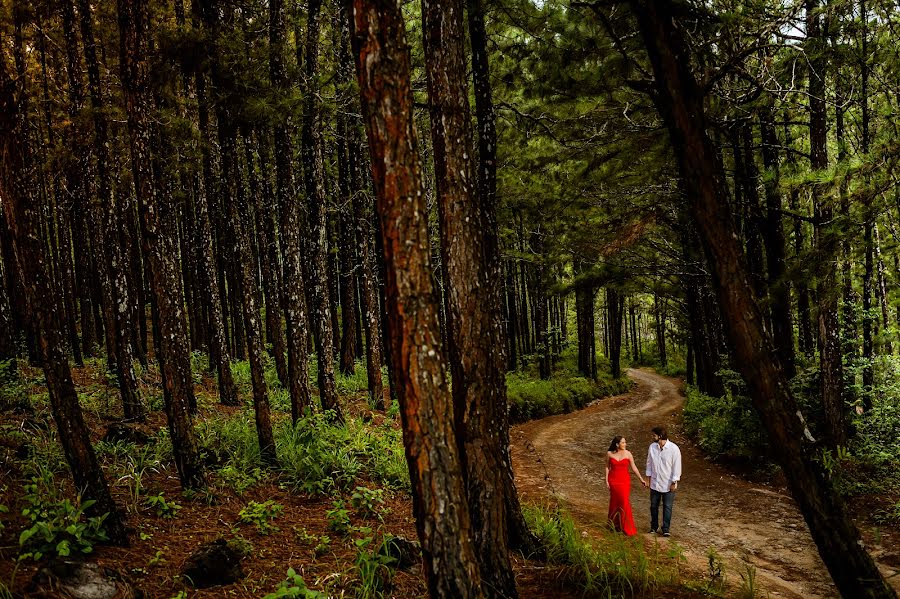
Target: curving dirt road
[[563, 456]]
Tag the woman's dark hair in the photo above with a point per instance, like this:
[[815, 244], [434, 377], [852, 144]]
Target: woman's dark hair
[[614, 446]]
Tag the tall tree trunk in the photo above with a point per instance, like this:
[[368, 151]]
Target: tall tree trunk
[[882, 291], [660, 315], [680, 102], [271, 272], [442, 518], [615, 306], [826, 240], [346, 231], [869, 322], [318, 220], [362, 214], [291, 224], [469, 255], [520, 537], [159, 246], [22, 216], [773, 237], [108, 253], [75, 181], [213, 296], [239, 218]]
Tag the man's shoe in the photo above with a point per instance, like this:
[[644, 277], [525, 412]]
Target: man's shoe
[[666, 534], [652, 531]]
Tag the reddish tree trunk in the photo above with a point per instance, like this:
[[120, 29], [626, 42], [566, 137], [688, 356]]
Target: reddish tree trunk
[[442, 518], [680, 102]]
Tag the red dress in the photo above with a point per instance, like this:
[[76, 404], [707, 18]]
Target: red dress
[[619, 496]]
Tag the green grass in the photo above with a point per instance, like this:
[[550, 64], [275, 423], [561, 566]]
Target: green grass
[[611, 566], [566, 390]]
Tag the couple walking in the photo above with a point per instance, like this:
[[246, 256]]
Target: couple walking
[[663, 472]]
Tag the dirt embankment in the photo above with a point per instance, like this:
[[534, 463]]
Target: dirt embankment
[[563, 456]]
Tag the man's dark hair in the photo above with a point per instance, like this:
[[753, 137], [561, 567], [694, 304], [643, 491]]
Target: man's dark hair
[[660, 431]]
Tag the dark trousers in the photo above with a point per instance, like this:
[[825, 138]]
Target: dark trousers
[[668, 499]]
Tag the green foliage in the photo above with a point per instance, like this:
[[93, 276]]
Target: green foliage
[[58, 527], [352, 384], [373, 568], [338, 518], [368, 502], [615, 567], [319, 457], [261, 515], [229, 440], [530, 397], [131, 464], [161, 507], [240, 480], [724, 426], [294, 586], [716, 568], [13, 387], [319, 544]]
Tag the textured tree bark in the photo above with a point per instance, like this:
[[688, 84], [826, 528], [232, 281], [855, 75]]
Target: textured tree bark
[[158, 246], [108, 252], [346, 230], [773, 237], [218, 350], [442, 518], [291, 224], [60, 217], [512, 316], [830, 366], [615, 307], [361, 211], [74, 173], [318, 221], [238, 209], [8, 329], [22, 216], [266, 209], [212, 290], [660, 314], [469, 257], [238, 217], [680, 102]]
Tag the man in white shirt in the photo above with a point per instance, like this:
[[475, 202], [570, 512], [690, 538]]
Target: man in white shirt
[[663, 472]]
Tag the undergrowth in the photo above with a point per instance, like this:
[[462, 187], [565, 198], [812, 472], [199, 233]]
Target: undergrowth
[[612, 566], [566, 390]]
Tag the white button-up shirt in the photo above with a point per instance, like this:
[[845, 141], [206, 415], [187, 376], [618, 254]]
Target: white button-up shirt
[[663, 466]]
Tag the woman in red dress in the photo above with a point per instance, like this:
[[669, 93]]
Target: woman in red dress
[[618, 481]]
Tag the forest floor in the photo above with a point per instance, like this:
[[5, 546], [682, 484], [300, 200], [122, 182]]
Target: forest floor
[[754, 528]]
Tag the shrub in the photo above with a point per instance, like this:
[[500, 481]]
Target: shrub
[[162, 507], [725, 426], [294, 586], [368, 502], [261, 515], [531, 398], [338, 518], [373, 568], [317, 456], [58, 526]]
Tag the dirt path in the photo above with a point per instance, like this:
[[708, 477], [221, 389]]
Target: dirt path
[[563, 457]]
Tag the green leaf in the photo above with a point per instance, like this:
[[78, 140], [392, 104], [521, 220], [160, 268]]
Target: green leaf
[[26, 534], [62, 548]]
